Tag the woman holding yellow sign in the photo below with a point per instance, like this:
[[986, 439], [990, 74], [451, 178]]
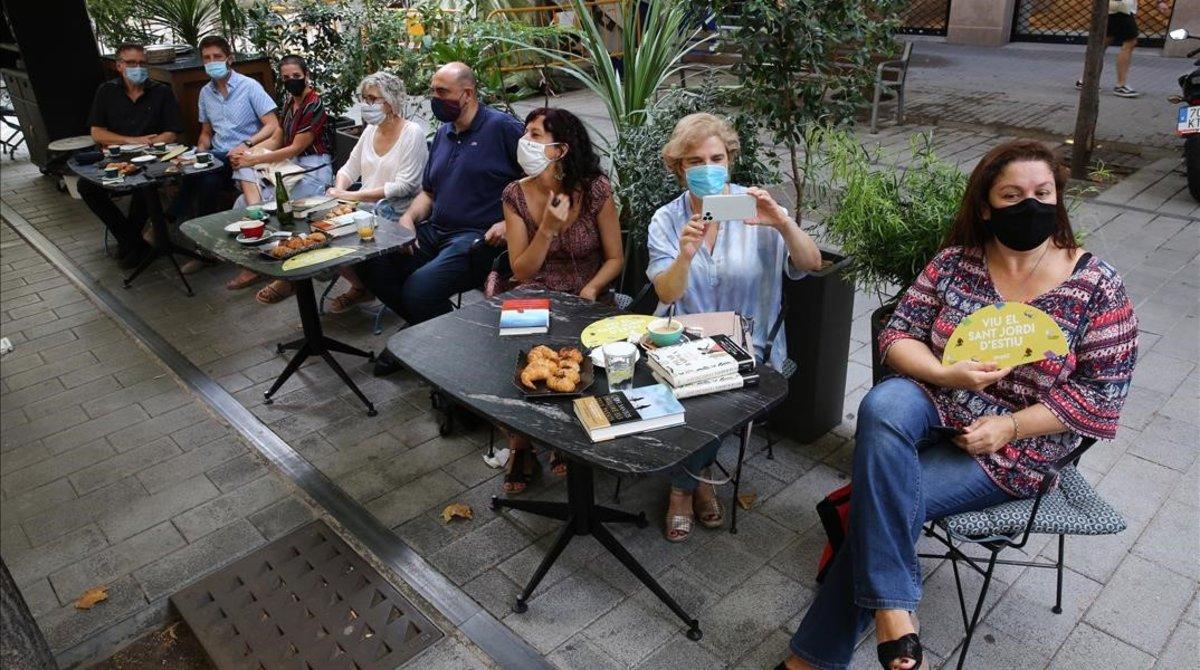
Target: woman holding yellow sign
[[1011, 345]]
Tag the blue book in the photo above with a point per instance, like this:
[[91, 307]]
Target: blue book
[[637, 410], [525, 317]]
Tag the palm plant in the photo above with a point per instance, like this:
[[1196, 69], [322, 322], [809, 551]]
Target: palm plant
[[653, 43], [187, 20]]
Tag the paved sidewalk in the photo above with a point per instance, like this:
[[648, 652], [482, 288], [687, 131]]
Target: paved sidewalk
[[1032, 86], [1130, 599]]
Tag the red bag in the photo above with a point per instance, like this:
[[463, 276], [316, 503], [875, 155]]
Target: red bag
[[834, 511]]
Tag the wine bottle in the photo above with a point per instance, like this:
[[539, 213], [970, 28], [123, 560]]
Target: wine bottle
[[283, 207]]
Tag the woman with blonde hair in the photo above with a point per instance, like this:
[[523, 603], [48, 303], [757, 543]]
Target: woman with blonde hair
[[719, 266]]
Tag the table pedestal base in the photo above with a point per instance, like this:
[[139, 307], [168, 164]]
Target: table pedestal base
[[314, 343], [582, 516]]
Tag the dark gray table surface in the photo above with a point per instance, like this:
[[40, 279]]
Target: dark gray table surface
[[151, 174], [208, 233], [463, 354]]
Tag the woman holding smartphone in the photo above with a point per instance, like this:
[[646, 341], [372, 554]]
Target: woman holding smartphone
[[719, 266]]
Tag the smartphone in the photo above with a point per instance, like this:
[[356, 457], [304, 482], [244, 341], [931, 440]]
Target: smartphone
[[728, 207], [946, 432]]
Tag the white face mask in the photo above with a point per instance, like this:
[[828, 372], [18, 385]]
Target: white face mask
[[532, 156], [373, 114]]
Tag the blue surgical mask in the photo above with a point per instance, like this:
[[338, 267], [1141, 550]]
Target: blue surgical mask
[[217, 69], [705, 180], [137, 75]]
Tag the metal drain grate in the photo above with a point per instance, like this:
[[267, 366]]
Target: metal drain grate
[[305, 601]]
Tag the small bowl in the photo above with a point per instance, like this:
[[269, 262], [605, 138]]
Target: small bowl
[[252, 229], [256, 212], [114, 150], [203, 158], [665, 333], [112, 173]]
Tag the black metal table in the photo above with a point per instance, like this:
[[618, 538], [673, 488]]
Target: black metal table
[[462, 354], [208, 233], [149, 180]]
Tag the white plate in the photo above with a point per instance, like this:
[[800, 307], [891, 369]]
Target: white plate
[[598, 357], [313, 202], [143, 159], [253, 241], [132, 147], [343, 220], [235, 228], [268, 206]]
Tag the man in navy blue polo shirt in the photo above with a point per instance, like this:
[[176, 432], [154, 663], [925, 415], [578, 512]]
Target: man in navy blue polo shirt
[[472, 159]]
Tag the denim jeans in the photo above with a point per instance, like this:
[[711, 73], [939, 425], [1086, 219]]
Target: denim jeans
[[695, 464], [198, 194], [903, 476]]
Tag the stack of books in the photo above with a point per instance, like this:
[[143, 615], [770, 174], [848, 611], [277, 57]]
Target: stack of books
[[703, 366]]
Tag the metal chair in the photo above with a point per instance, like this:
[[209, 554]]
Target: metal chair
[[1071, 508], [889, 81]]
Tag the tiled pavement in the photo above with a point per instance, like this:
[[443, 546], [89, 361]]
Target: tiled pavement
[[1130, 599]]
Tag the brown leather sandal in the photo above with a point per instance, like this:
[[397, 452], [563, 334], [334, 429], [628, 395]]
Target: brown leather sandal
[[523, 470], [272, 293], [350, 298]]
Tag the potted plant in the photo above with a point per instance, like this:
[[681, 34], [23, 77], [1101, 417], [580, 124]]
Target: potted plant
[[890, 220]]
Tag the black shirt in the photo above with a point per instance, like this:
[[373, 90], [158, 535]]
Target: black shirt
[[154, 112]]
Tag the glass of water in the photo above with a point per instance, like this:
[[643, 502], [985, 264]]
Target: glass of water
[[619, 358]]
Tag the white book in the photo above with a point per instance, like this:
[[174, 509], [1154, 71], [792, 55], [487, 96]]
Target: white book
[[727, 383], [692, 362]]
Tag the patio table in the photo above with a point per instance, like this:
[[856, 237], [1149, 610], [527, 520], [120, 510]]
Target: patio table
[[149, 179], [462, 354], [208, 233]]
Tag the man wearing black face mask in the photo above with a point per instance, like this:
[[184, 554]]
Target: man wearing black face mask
[[472, 158]]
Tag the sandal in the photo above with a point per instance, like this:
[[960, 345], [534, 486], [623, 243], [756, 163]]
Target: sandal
[[678, 527], [709, 513], [558, 464], [271, 293], [523, 469], [244, 279], [348, 299], [907, 647]]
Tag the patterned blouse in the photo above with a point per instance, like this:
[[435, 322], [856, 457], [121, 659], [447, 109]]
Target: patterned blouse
[[575, 256], [310, 118], [1084, 390]]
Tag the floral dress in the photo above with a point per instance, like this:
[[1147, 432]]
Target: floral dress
[[575, 255], [1085, 389]]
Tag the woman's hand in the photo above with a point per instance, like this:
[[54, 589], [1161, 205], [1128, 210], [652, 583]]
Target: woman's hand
[[971, 375], [770, 213], [341, 193], [556, 212], [691, 237], [589, 293], [986, 435]]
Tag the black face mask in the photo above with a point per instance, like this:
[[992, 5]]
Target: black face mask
[[1023, 226], [295, 86]]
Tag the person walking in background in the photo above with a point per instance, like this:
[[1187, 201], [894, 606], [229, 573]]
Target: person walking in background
[[1123, 30]]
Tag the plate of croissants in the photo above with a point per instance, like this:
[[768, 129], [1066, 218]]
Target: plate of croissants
[[545, 372], [285, 249]]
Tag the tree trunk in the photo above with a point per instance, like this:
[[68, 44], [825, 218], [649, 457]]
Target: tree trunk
[[22, 646], [1089, 97]]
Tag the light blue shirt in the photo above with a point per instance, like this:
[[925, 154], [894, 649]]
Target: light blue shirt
[[234, 118], [743, 273]]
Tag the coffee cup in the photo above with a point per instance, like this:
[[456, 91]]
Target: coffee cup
[[114, 150], [256, 212], [665, 332], [203, 158], [112, 172], [252, 230], [160, 146]]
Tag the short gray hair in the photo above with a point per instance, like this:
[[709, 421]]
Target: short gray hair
[[391, 89]]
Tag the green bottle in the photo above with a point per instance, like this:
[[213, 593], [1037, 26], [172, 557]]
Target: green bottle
[[283, 208]]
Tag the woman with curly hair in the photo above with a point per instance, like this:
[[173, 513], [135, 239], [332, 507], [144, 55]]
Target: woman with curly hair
[[562, 231]]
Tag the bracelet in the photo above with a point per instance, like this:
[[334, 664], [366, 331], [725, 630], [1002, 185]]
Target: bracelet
[[1016, 427]]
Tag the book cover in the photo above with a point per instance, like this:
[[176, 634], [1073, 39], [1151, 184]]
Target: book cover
[[525, 317], [636, 410], [727, 383], [692, 362], [744, 358]]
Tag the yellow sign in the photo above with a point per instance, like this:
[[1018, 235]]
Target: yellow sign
[[615, 329], [1006, 333], [315, 256]]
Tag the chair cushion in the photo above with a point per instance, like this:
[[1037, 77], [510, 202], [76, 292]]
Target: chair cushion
[[1072, 508]]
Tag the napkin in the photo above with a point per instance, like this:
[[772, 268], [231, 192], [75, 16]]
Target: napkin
[[314, 257]]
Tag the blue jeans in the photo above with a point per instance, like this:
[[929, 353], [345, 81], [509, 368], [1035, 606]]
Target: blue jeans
[[418, 286], [198, 194], [694, 464], [902, 477]]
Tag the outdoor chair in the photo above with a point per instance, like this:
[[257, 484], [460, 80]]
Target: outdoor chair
[[889, 83], [1072, 508]]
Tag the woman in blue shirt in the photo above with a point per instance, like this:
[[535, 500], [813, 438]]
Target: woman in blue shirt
[[719, 267]]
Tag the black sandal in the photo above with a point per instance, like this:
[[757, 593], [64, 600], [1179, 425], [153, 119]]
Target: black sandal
[[907, 647], [558, 464], [523, 469]]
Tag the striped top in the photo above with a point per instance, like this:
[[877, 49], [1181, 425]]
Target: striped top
[[1084, 390], [310, 118], [234, 118]]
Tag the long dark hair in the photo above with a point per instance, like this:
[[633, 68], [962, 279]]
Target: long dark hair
[[968, 229], [581, 165]]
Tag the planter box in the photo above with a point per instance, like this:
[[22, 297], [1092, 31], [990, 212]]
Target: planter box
[[345, 136], [820, 308]]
